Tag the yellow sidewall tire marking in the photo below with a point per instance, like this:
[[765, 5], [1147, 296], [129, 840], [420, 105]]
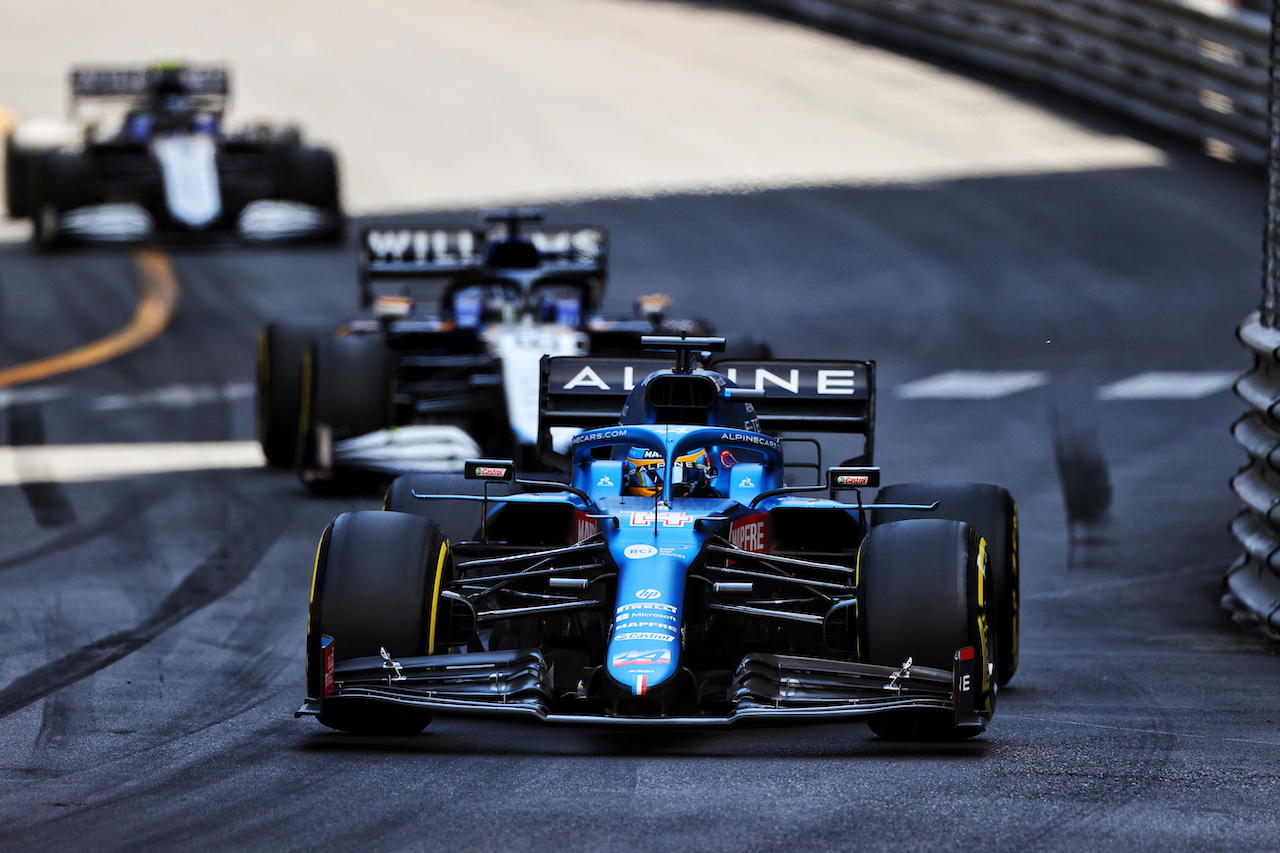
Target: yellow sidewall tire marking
[[435, 597]]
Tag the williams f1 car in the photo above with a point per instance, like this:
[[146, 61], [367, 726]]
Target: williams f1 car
[[675, 581], [447, 367], [146, 154]]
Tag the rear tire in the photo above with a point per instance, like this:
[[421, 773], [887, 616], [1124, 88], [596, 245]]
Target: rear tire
[[922, 592], [312, 178], [346, 386], [278, 395], [460, 520], [17, 179], [993, 512], [376, 581], [61, 183], [23, 150]]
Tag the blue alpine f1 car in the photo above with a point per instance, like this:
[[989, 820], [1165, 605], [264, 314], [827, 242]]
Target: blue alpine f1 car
[[676, 580]]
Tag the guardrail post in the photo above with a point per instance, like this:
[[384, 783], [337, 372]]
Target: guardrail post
[[1271, 239]]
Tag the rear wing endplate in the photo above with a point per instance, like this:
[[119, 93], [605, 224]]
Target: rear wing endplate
[[789, 396]]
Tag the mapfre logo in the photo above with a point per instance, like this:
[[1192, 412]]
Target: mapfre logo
[[751, 534], [583, 527]]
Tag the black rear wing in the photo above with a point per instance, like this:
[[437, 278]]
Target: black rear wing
[[585, 392], [107, 82], [442, 251]]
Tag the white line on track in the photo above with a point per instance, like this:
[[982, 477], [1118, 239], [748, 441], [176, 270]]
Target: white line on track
[[972, 385], [1168, 386], [1136, 729], [1121, 583], [176, 397], [74, 463], [41, 394]]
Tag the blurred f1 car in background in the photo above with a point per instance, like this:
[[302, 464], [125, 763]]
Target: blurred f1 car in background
[[146, 154], [675, 581], [447, 366]]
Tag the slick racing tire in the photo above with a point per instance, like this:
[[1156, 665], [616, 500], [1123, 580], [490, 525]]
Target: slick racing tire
[[346, 388], [278, 394], [376, 585], [312, 177], [993, 512], [23, 150], [460, 520], [922, 593], [18, 163], [62, 182]]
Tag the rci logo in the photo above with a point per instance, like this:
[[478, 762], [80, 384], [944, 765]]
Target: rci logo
[[648, 594]]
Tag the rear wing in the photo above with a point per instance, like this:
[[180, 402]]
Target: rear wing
[[584, 392], [106, 82], [571, 251]]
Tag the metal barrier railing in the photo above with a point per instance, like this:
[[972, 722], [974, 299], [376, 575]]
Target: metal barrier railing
[[1253, 583], [1199, 68]]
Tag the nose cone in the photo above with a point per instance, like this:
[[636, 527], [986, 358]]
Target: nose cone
[[644, 649]]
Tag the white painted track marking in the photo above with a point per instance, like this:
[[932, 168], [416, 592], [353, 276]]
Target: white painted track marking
[[176, 397], [972, 385], [73, 463], [1168, 386], [41, 394]]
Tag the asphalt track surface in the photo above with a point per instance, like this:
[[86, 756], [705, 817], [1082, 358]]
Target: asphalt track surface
[[151, 628]]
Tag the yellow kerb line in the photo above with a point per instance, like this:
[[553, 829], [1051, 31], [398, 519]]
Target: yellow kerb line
[[159, 297]]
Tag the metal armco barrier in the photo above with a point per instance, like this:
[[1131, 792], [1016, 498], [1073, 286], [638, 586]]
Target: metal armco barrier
[[1253, 583], [1199, 69]]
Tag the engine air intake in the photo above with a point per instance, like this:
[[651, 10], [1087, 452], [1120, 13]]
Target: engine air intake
[[682, 391]]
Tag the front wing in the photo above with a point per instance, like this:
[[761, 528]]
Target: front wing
[[766, 690]]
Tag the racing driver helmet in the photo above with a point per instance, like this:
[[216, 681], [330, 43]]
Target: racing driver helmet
[[644, 472]]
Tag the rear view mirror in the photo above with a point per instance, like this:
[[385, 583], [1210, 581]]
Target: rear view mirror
[[843, 479]]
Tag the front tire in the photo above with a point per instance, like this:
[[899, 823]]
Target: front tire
[[993, 512], [376, 585], [922, 594]]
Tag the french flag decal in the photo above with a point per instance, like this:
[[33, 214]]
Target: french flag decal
[[642, 685]]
